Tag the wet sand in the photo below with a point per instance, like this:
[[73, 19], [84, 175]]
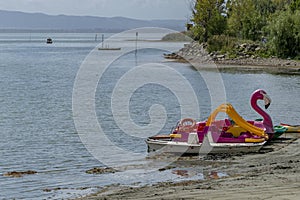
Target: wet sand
[[273, 173]]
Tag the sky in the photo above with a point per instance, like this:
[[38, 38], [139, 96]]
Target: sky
[[137, 9]]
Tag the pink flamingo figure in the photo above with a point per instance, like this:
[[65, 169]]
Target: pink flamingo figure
[[267, 121]]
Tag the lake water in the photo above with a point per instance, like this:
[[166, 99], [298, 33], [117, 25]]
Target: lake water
[[37, 126]]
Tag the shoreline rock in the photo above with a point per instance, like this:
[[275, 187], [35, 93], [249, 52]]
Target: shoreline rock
[[197, 55], [18, 174], [101, 170]]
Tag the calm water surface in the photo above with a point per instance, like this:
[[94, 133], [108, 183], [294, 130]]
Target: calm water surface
[[36, 120]]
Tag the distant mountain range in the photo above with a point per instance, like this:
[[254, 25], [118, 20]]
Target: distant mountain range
[[20, 21]]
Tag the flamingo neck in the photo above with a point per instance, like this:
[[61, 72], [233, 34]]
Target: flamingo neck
[[267, 121]]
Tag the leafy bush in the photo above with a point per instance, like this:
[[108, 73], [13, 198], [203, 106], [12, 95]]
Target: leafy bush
[[284, 34], [222, 43], [235, 47]]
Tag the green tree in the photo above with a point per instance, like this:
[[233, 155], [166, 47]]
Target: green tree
[[284, 34], [209, 18], [246, 18], [281, 5], [295, 5]]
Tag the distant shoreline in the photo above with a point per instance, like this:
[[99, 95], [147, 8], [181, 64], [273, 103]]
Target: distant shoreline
[[59, 31]]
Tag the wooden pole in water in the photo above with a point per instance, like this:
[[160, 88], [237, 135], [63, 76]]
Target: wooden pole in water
[[102, 40], [136, 39]]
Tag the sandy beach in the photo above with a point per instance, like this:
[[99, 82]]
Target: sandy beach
[[273, 173]]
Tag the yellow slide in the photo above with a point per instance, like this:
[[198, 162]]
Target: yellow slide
[[230, 111]]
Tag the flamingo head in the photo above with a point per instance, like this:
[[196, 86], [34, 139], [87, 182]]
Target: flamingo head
[[262, 95]]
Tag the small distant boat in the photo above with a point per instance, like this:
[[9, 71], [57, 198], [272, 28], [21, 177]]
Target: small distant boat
[[106, 47], [109, 49], [171, 56], [49, 41]]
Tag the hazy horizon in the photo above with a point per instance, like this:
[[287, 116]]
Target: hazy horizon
[[16, 20], [134, 9], [69, 15]]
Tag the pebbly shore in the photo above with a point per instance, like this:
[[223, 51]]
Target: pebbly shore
[[198, 56]]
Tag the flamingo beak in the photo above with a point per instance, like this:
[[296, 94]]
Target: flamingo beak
[[267, 101]]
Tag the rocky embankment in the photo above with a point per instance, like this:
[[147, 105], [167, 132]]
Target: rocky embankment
[[198, 56], [191, 52]]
